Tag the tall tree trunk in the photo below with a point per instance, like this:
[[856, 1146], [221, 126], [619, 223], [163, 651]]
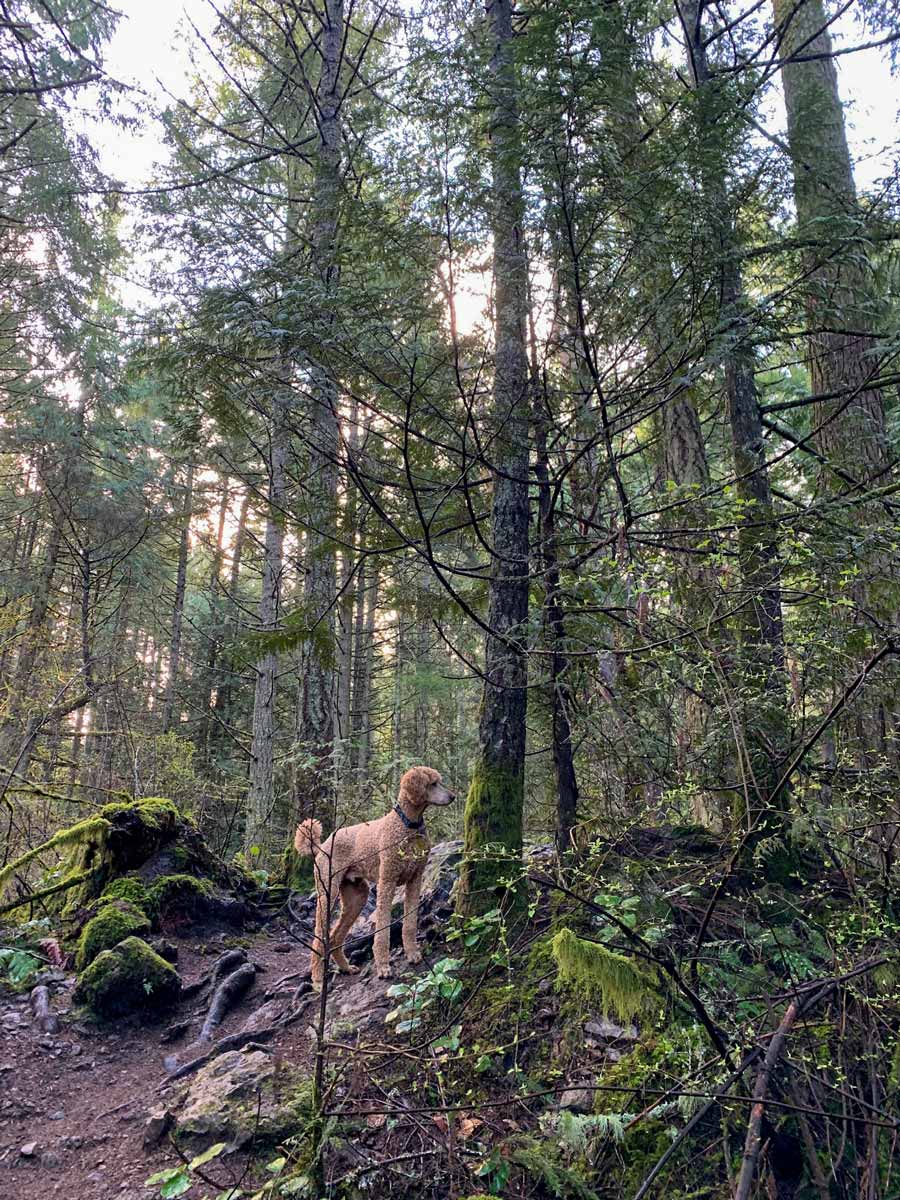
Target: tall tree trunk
[[849, 426], [554, 619], [762, 691], [260, 798], [225, 674], [316, 715], [184, 543], [216, 623], [363, 663], [494, 805]]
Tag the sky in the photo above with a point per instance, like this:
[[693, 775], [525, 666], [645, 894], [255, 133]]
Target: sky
[[150, 50]]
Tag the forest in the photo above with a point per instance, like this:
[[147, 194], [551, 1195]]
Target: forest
[[504, 389]]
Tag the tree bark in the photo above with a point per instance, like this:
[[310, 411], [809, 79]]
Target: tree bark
[[317, 656], [850, 427], [260, 798], [178, 603], [762, 691], [494, 805]]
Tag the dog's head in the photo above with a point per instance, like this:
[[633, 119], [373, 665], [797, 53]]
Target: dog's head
[[423, 785]]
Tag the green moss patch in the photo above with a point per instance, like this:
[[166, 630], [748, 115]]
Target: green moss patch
[[624, 989], [129, 978], [132, 891], [114, 922]]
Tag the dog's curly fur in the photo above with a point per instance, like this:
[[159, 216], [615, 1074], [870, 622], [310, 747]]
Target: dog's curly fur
[[385, 852]]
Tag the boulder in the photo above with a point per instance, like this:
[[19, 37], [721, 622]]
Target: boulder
[[579, 1099], [442, 871], [129, 978], [245, 1094]]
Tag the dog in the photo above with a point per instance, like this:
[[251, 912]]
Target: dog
[[388, 852]]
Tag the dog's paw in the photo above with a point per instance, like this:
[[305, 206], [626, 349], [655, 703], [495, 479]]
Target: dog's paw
[[413, 957], [349, 970], [384, 973]]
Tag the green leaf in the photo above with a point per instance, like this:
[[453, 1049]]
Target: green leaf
[[177, 1185], [207, 1156]]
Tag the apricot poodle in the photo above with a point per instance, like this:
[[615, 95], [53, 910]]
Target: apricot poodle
[[388, 852]]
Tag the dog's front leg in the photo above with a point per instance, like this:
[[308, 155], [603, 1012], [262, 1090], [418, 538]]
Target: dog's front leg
[[411, 918], [383, 925]]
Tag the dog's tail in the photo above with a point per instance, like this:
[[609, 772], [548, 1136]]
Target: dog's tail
[[308, 837]]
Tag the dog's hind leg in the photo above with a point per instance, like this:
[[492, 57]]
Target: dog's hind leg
[[354, 893], [317, 953]]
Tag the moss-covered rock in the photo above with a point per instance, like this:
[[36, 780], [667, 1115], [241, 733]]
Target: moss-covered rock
[[185, 894], [131, 977], [246, 1094], [132, 890], [114, 922], [125, 846]]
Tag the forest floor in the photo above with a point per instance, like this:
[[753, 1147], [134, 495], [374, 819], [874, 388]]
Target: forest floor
[[73, 1106]]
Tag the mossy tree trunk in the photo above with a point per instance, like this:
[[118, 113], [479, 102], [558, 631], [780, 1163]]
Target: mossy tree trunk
[[494, 805], [849, 418]]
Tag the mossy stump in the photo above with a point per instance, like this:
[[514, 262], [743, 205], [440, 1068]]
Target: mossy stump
[[130, 978], [114, 922]]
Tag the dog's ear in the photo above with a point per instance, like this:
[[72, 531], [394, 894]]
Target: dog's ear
[[416, 781]]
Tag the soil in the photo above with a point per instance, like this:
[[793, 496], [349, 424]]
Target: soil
[[73, 1105]]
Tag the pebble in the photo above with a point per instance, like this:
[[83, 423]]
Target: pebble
[[59, 1115], [28, 1150]]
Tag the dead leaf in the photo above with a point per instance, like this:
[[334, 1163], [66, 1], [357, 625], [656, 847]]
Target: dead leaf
[[468, 1126], [376, 1120], [441, 1121]]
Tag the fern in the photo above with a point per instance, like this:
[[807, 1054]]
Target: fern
[[625, 989]]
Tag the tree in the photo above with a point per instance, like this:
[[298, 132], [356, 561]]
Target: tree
[[495, 801]]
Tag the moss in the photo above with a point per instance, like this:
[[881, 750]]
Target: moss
[[184, 894], [129, 978], [297, 871], [625, 990], [92, 832], [490, 874], [131, 890], [542, 1164], [115, 921], [153, 811]]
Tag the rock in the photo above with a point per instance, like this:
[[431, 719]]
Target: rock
[[165, 949], [607, 1031], [283, 948], [28, 1150], [242, 1094], [441, 871], [129, 978], [157, 1126], [59, 1115], [578, 1099], [264, 1016], [50, 1159], [175, 1032]]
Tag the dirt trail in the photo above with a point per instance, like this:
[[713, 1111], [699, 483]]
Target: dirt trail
[[73, 1105]]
